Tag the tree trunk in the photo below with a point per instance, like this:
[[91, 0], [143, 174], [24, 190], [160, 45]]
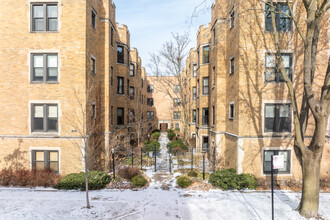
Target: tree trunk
[[309, 203]]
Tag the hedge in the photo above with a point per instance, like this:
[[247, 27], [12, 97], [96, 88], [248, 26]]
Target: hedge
[[150, 145], [183, 181]]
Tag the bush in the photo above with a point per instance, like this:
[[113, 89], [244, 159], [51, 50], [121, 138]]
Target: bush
[[170, 134], [228, 179], [139, 181], [247, 181], [150, 145], [183, 181], [175, 144], [156, 130], [96, 180], [129, 172], [155, 135], [177, 129], [192, 173], [29, 178]]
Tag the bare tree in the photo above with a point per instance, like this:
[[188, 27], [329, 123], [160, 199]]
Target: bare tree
[[168, 65], [309, 155], [85, 121]]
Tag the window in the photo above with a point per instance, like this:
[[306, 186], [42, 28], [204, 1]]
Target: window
[[214, 37], [205, 118], [213, 71], [131, 69], [267, 161], [131, 92], [197, 88], [177, 126], [176, 115], [111, 115], [128, 87], [142, 83], [176, 102], [232, 17], [231, 111], [283, 22], [42, 159], [111, 33], [198, 57], [44, 118], [93, 111], [176, 88], [273, 73], [127, 57], [44, 17], [93, 65], [232, 65], [213, 114], [150, 101], [120, 54], [205, 143], [131, 116], [93, 18], [111, 76], [206, 54], [277, 117], [194, 93], [150, 115], [194, 70], [194, 116], [120, 85], [198, 116], [44, 67], [150, 88], [205, 85], [120, 116]]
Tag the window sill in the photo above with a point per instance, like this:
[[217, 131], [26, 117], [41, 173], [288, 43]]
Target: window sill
[[45, 134], [120, 94], [44, 32], [44, 82], [231, 119]]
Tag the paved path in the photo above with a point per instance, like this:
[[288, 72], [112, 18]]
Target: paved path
[[162, 157]]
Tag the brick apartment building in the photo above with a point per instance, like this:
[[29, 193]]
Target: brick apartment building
[[240, 112], [68, 72]]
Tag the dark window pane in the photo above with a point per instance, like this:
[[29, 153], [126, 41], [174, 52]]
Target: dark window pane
[[38, 124]]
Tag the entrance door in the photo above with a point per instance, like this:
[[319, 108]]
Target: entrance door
[[163, 127]]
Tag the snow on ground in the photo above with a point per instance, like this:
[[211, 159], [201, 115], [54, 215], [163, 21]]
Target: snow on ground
[[162, 200], [151, 204]]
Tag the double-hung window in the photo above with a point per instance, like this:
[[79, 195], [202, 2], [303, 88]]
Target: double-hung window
[[206, 54], [111, 76], [44, 17], [232, 17], [131, 92], [273, 74], [205, 85], [120, 54], [44, 67], [205, 118], [194, 70], [194, 93], [45, 159], [267, 161], [150, 101], [176, 88], [194, 116], [177, 115], [131, 69], [177, 102], [282, 19], [150, 88], [232, 66], [44, 118], [120, 85], [120, 116], [93, 18], [277, 118]]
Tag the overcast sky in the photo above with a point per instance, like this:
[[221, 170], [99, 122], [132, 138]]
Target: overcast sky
[[151, 22]]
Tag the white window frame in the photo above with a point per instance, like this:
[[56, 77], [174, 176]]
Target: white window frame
[[263, 117], [59, 113], [276, 148], [32, 148]]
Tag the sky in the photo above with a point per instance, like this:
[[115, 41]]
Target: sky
[[151, 22]]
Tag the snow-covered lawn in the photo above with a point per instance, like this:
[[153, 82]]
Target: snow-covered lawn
[[152, 203]]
